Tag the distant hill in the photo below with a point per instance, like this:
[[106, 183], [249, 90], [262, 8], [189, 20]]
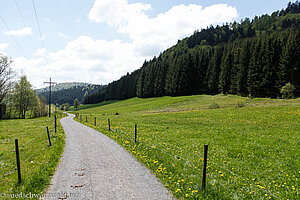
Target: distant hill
[[67, 92], [62, 86]]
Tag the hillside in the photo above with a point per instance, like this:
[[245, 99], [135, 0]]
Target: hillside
[[62, 86], [67, 92], [253, 58], [253, 143]]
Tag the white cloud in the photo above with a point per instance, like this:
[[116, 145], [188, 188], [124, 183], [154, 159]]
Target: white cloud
[[20, 32], [84, 59], [77, 20], [62, 35], [163, 30], [101, 61], [116, 12], [3, 46], [40, 52]]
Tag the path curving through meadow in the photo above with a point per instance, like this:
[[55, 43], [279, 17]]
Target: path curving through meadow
[[95, 167]]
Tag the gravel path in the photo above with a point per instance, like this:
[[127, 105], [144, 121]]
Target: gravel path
[[95, 167]]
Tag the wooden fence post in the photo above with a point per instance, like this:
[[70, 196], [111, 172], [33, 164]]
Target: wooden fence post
[[204, 167], [55, 125], [95, 121], [18, 160], [109, 124], [48, 136], [135, 133], [85, 118]]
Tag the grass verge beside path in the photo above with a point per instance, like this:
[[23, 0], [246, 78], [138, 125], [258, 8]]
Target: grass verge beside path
[[254, 144], [38, 160]]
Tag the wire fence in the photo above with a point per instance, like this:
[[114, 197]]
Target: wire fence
[[165, 147], [29, 151]]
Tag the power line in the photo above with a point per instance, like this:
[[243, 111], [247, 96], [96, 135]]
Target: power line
[[20, 48], [37, 21], [23, 22], [20, 12]]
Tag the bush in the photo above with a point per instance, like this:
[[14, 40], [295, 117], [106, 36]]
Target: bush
[[287, 91]]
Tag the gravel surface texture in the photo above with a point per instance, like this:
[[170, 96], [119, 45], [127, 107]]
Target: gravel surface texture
[[95, 167]]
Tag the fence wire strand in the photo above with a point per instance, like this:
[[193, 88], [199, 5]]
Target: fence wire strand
[[187, 162]]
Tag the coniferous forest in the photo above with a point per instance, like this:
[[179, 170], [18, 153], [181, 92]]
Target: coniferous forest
[[67, 95], [253, 58]]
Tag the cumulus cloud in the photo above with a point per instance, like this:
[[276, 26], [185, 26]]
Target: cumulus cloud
[[163, 30], [101, 61], [40, 52], [116, 12], [84, 59], [20, 32]]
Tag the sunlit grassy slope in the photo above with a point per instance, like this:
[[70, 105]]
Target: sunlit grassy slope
[[38, 160], [254, 145]]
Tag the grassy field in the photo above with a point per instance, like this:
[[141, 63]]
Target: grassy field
[[38, 159], [254, 145]]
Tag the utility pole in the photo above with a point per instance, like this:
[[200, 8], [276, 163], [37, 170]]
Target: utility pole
[[50, 85]]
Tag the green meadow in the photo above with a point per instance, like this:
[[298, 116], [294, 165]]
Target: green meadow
[[253, 151], [38, 160]]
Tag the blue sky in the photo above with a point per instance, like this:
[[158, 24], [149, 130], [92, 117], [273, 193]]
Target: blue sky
[[98, 41]]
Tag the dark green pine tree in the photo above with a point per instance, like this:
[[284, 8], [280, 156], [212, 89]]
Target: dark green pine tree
[[270, 63], [289, 69], [140, 83], [255, 70], [213, 70], [159, 80], [186, 76], [225, 73], [172, 77], [202, 58], [242, 74], [149, 79], [235, 52]]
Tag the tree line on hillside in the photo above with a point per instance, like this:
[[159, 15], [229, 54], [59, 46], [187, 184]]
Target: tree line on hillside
[[255, 58], [68, 95]]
